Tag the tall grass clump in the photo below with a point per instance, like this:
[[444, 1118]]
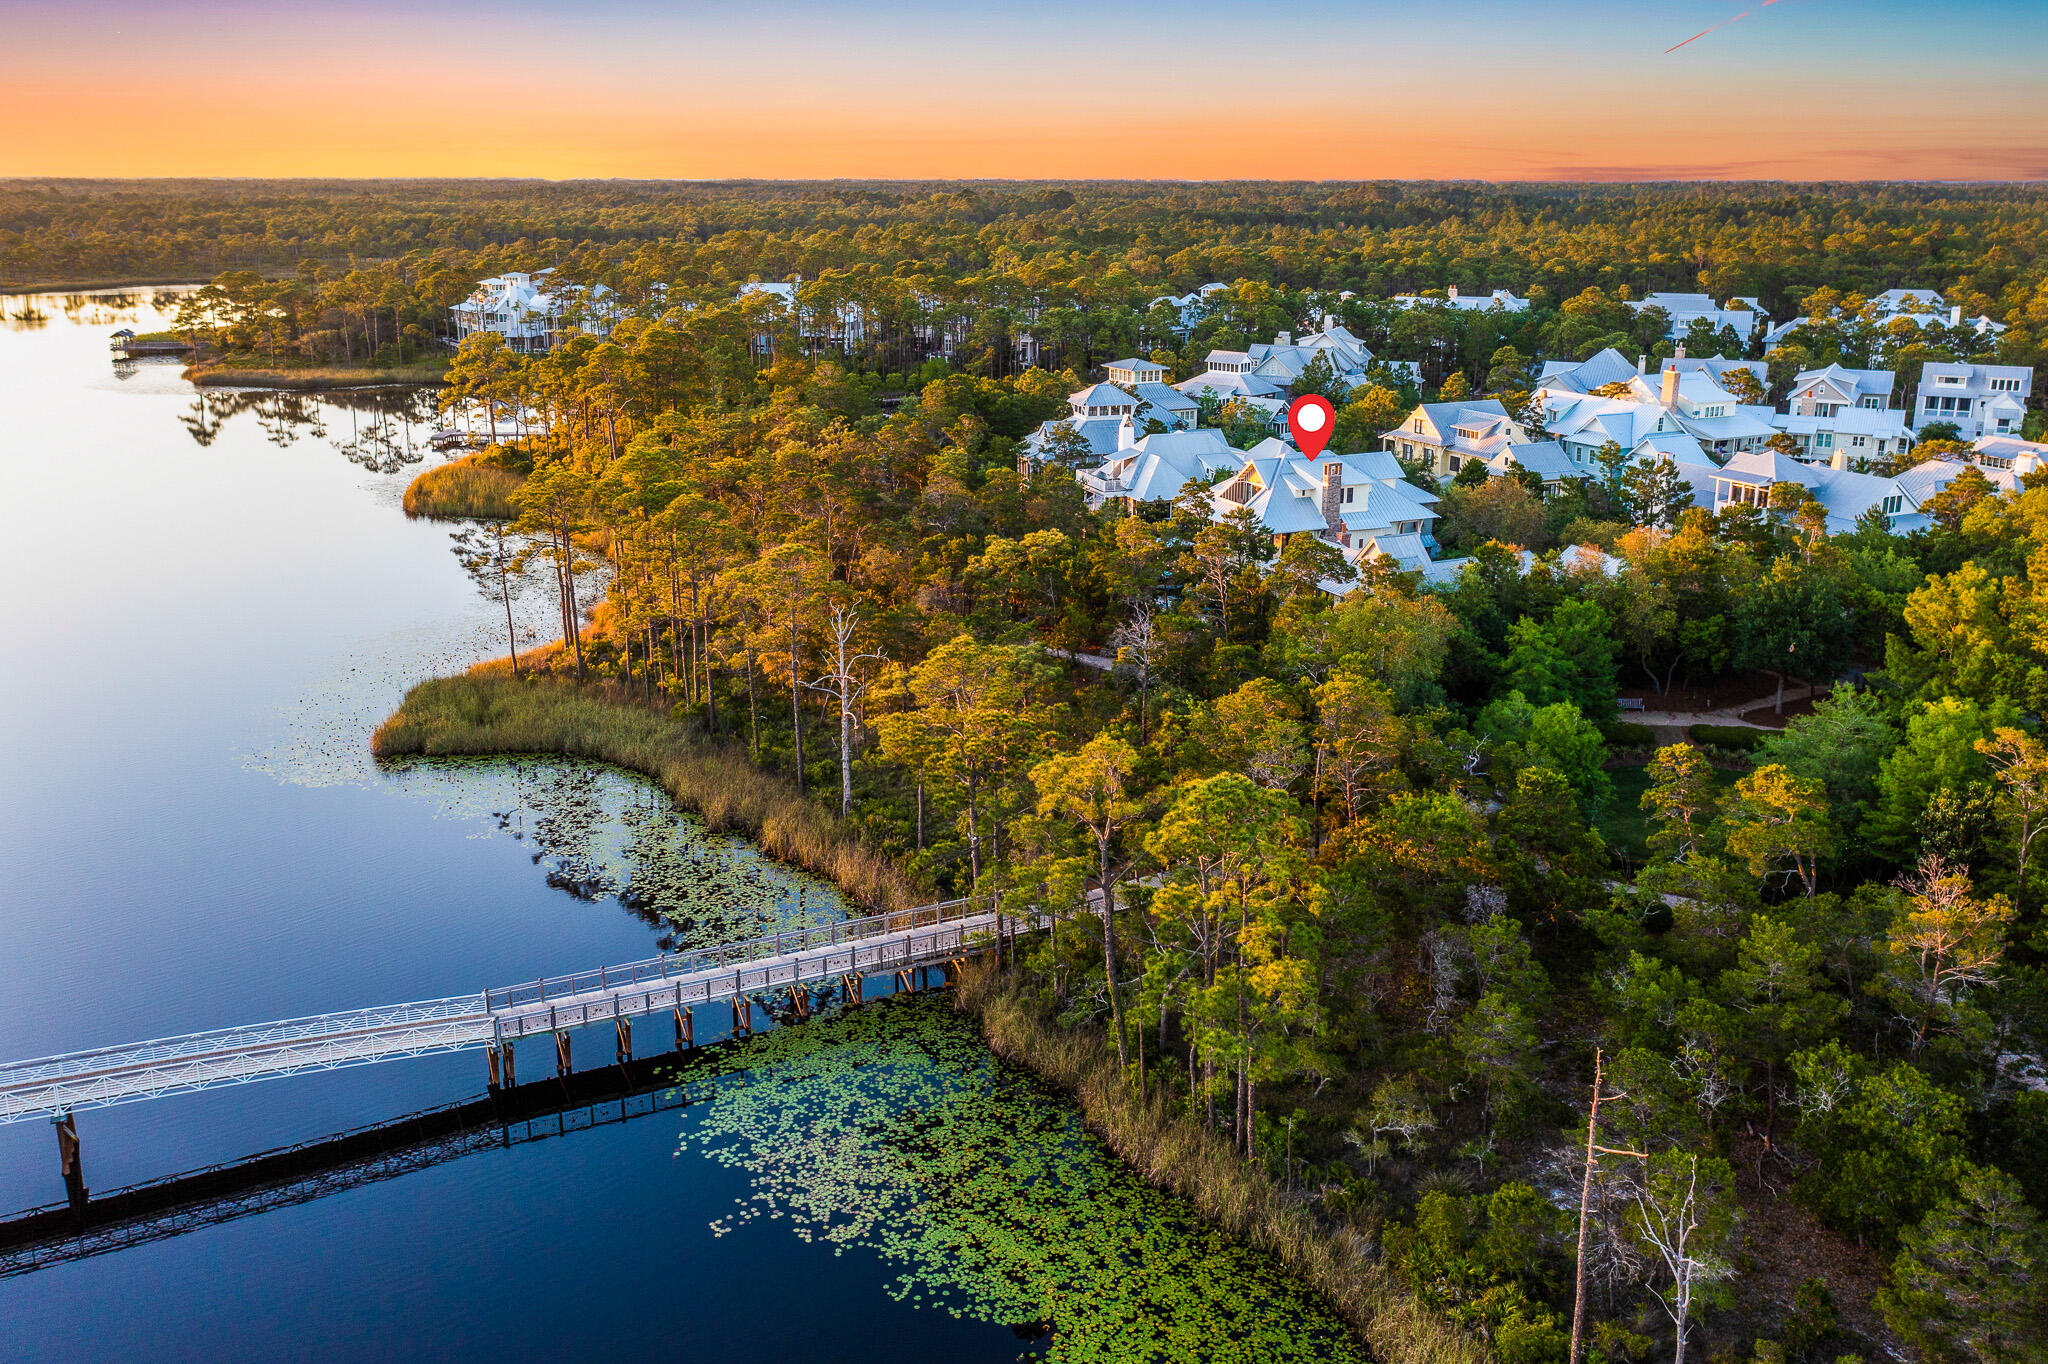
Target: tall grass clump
[[465, 487], [488, 713], [1180, 1155]]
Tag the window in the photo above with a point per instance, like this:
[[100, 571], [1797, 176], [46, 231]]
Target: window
[[1856, 441], [1453, 463], [2005, 385], [1893, 505], [1949, 379], [1408, 448], [1823, 440], [1417, 428]]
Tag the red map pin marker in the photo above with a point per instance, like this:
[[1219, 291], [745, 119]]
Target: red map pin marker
[[1311, 419]]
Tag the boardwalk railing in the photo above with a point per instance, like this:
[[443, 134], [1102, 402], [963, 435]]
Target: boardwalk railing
[[667, 967], [104, 1076]]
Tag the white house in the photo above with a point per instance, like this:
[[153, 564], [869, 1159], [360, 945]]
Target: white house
[[1685, 309], [1598, 370], [1546, 459], [1982, 400], [1344, 499], [1155, 468], [1685, 400], [531, 313], [842, 325], [1502, 299], [1846, 494], [1108, 417], [1844, 410]]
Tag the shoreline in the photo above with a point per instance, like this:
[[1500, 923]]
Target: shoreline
[[485, 712], [1193, 1164], [76, 286], [320, 380]]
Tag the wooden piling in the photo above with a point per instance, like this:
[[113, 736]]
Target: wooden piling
[[491, 1056], [562, 1053], [685, 1028], [625, 1027], [70, 1162]]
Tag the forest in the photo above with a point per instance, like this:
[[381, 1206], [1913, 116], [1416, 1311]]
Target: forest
[[1383, 889], [367, 267], [1380, 877]]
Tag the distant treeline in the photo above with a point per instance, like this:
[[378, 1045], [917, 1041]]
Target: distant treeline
[[1981, 244]]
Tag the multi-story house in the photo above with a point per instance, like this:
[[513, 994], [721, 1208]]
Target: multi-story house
[[1685, 309], [1109, 417], [1846, 494], [1502, 299], [1442, 436], [1847, 411], [1155, 468], [1344, 499], [1981, 400], [533, 315]]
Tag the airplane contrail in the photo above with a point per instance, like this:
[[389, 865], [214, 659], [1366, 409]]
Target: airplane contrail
[[1723, 24]]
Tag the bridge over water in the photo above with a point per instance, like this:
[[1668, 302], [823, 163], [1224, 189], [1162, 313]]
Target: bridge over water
[[788, 964]]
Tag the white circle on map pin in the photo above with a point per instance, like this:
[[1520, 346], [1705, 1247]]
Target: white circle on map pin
[[1310, 417]]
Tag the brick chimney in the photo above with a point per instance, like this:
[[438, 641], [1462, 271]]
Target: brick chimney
[[1333, 497], [1670, 394]]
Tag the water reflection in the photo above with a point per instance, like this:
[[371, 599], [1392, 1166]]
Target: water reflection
[[386, 428], [601, 833]]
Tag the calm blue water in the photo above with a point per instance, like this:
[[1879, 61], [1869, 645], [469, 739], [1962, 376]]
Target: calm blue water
[[207, 610]]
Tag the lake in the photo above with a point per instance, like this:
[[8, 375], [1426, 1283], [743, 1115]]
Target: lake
[[215, 597]]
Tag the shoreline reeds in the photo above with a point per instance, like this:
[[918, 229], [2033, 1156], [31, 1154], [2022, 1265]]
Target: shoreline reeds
[[1176, 1154], [466, 488], [485, 712]]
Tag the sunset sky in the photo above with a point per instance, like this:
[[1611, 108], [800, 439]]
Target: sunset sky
[[1293, 89]]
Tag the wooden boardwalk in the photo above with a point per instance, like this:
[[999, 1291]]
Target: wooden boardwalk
[[781, 965]]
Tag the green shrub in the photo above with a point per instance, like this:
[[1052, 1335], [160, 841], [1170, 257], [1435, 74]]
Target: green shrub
[[1734, 737], [1628, 734]]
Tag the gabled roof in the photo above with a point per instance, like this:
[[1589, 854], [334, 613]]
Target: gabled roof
[[1134, 363], [1101, 395], [1544, 458], [1603, 367], [1854, 382]]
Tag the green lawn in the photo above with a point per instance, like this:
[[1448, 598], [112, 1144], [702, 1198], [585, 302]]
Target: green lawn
[[1622, 823]]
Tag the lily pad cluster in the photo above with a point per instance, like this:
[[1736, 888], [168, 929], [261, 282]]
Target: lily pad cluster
[[892, 1130]]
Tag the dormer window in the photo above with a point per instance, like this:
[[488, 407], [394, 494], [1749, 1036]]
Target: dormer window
[[1418, 426]]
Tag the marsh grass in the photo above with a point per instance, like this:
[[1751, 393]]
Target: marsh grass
[[254, 372], [1187, 1159], [487, 713], [465, 487]]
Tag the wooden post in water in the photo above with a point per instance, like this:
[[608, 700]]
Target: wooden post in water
[[625, 1027], [850, 987], [685, 1026], [70, 1162], [509, 1081], [562, 1053], [800, 1000], [742, 1015], [491, 1056]]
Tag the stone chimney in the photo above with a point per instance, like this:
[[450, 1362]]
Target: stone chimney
[[1955, 315], [1333, 496], [1670, 394]]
